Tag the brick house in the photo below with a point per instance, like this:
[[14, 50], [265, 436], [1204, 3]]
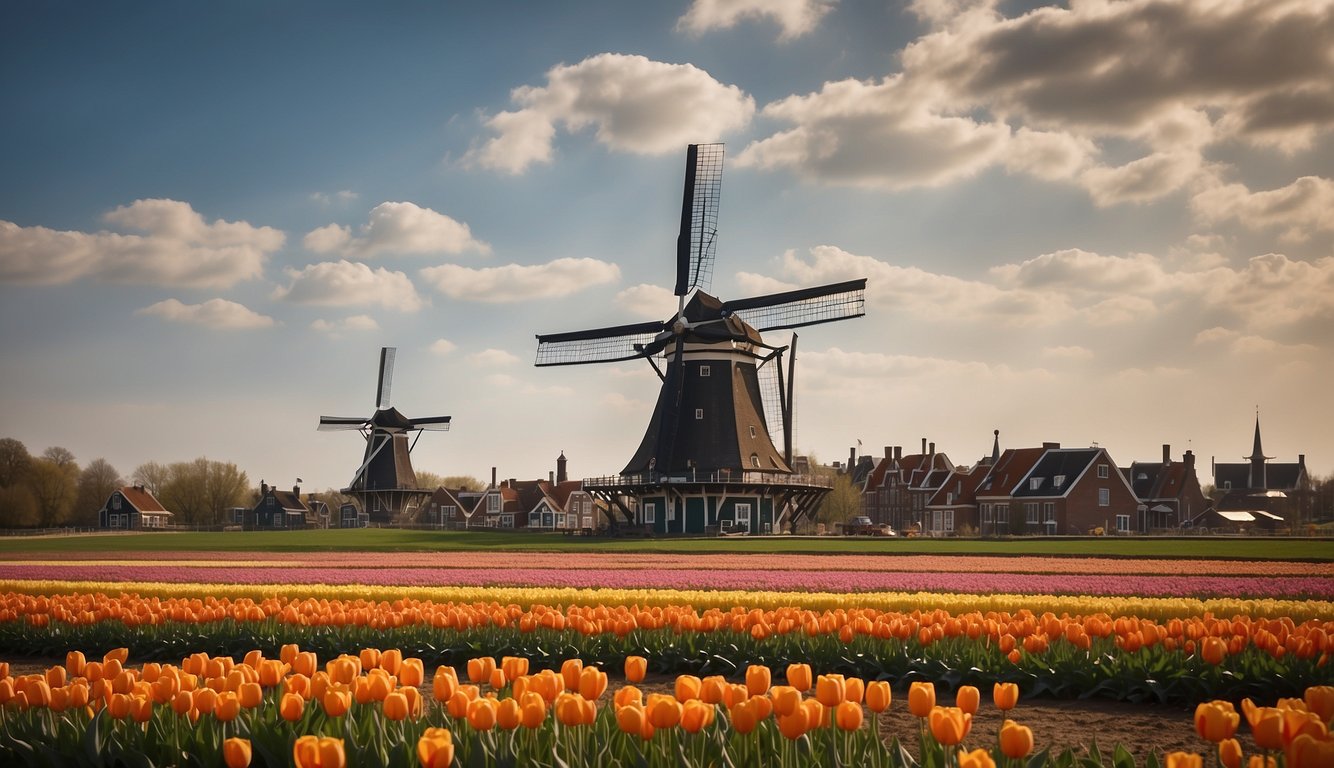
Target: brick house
[[1168, 491], [897, 490]]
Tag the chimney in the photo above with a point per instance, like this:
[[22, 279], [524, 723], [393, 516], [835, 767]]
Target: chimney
[[493, 477], [296, 491], [889, 451], [1301, 459], [924, 445], [1189, 458], [933, 449], [551, 477], [852, 456], [1051, 446], [898, 452], [561, 474], [263, 488]]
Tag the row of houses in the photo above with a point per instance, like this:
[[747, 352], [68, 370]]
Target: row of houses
[[1050, 489]]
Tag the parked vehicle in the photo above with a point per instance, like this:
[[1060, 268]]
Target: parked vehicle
[[862, 526]]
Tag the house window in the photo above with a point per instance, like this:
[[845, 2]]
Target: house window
[[115, 500], [507, 521], [1002, 513], [588, 522], [699, 414], [1227, 485], [948, 516], [1102, 471], [986, 513], [1058, 481], [743, 515], [493, 503], [1049, 511], [449, 512], [705, 371], [651, 512], [1123, 523], [560, 521], [1104, 497], [1031, 513], [1034, 483]]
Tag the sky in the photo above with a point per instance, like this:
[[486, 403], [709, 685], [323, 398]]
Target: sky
[[1089, 223]]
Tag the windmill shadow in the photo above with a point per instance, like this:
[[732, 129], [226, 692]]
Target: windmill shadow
[[707, 460]]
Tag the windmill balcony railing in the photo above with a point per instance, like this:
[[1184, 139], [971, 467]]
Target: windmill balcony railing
[[693, 477]]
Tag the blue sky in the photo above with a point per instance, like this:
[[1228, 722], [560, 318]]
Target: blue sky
[[1102, 222]]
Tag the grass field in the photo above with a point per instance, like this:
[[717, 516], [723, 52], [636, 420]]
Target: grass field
[[392, 540]]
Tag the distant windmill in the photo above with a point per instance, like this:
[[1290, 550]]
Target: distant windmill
[[709, 421], [385, 484]]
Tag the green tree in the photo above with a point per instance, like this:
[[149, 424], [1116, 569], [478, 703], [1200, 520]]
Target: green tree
[[152, 476], [14, 462], [54, 487], [96, 483], [226, 488], [199, 492]]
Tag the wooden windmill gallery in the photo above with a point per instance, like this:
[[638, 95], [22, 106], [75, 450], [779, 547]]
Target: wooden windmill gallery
[[708, 460]]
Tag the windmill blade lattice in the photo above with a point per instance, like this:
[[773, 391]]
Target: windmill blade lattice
[[386, 376], [697, 241], [432, 423], [807, 306], [598, 345], [335, 423]]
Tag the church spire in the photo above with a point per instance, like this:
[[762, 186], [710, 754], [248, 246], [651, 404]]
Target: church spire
[[1257, 458], [995, 447]]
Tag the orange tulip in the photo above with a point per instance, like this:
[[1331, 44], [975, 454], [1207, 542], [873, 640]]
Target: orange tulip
[[978, 758], [799, 676], [534, 710], [592, 683], [967, 698], [251, 695], [305, 663], [480, 669], [696, 716], [1268, 728], [509, 714], [292, 707], [830, 690], [687, 688], [141, 708], [663, 711], [411, 673], [635, 668], [317, 752], [228, 707], [786, 699], [498, 679], [848, 716], [854, 689], [444, 683], [1005, 696], [236, 752], [435, 748], [878, 695], [1213, 650], [336, 701], [1216, 720], [745, 716], [713, 689], [1307, 751], [74, 662], [1229, 753], [921, 698], [1183, 760], [183, 702], [950, 725], [482, 714], [570, 671], [396, 706], [116, 654], [370, 658], [794, 725], [1016, 740], [758, 679], [1319, 699]]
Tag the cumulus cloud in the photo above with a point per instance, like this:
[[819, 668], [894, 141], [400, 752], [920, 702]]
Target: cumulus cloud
[[350, 284], [651, 301], [794, 17], [1048, 91], [442, 347], [1236, 342], [634, 104], [397, 228], [214, 313], [352, 323], [517, 282], [177, 248], [493, 358], [1304, 206]]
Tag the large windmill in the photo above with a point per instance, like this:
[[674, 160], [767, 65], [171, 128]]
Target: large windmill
[[385, 484], [708, 457]]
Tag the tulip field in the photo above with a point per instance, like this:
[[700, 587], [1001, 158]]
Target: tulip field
[[645, 659]]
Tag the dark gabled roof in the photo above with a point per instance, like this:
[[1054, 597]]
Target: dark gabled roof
[[1281, 476], [1156, 480], [1014, 463], [1284, 476], [288, 500], [1069, 463], [963, 484]]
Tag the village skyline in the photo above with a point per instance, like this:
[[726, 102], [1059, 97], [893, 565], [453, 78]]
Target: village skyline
[[211, 219]]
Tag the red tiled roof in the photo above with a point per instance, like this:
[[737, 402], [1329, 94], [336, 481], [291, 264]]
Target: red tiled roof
[[141, 499], [1014, 463]]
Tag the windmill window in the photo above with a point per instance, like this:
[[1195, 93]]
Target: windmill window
[[705, 371], [755, 460], [699, 414], [752, 431]]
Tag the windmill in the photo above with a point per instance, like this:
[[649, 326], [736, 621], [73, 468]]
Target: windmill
[[709, 436], [385, 485]]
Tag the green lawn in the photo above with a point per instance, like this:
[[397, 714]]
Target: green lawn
[[390, 540]]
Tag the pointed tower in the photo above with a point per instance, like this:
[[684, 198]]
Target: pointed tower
[[1257, 478]]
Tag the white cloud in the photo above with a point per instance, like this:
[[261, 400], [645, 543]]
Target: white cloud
[[397, 228], [644, 300], [214, 313], [1236, 342], [795, 17], [349, 284], [1142, 180], [633, 103], [1302, 207], [493, 358], [442, 347], [352, 323], [178, 248], [1078, 270], [341, 197], [517, 282], [1068, 352]]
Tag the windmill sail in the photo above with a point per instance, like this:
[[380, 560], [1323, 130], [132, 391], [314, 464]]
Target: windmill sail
[[599, 345], [386, 376], [806, 306], [697, 241]]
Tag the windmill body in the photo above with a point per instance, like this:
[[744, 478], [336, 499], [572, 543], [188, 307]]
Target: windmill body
[[384, 485], [708, 459]]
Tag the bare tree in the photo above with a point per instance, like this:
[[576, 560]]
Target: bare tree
[[152, 476], [97, 481], [14, 461], [227, 486], [54, 487], [185, 491], [58, 456], [463, 483]]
